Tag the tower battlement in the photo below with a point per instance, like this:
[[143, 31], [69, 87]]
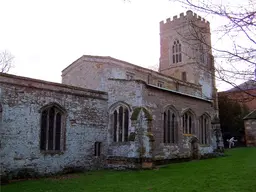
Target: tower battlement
[[189, 16]]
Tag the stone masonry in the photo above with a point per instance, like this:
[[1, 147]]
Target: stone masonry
[[142, 94], [86, 123], [109, 113], [93, 72], [250, 129], [193, 34]]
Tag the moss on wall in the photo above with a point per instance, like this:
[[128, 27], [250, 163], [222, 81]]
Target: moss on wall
[[136, 113], [150, 136], [132, 136]]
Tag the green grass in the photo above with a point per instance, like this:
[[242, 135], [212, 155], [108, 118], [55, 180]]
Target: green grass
[[235, 172]]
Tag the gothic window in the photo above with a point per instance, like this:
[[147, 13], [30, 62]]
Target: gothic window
[[170, 127], [52, 129], [188, 122], [204, 124], [176, 52], [121, 124], [97, 148]]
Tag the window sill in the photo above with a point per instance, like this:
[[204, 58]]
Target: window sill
[[52, 152]]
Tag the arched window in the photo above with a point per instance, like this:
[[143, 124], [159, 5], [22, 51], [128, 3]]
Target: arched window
[[176, 52], [120, 123], [52, 128], [170, 126], [204, 123], [188, 122]]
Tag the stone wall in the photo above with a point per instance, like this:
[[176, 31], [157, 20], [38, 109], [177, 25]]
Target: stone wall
[[156, 100], [93, 72], [89, 121], [139, 94], [250, 132], [129, 93], [137, 151], [86, 122]]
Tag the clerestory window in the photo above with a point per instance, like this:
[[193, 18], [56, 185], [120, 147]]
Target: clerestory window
[[160, 84], [52, 129], [176, 52]]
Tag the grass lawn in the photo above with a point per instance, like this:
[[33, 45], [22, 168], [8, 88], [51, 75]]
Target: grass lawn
[[235, 172]]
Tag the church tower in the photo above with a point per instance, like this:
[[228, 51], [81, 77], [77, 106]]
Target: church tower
[[185, 51]]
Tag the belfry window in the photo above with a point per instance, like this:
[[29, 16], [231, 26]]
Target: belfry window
[[52, 129], [176, 52], [170, 127], [121, 124]]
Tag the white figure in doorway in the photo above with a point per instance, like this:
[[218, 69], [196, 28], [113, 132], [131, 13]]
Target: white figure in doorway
[[231, 142]]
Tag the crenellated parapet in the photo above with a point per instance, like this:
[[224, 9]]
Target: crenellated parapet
[[183, 18]]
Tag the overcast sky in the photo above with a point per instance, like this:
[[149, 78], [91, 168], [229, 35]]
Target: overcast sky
[[46, 36]]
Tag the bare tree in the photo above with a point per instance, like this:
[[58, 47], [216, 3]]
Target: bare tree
[[236, 60], [6, 61]]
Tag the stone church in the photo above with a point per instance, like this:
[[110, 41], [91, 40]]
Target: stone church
[[109, 113]]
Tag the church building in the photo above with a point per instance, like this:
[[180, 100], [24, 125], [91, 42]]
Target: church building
[[109, 113]]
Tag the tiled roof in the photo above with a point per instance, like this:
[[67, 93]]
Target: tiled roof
[[248, 85]]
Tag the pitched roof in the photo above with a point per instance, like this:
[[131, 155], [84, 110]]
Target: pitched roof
[[248, 85], [108, 59], [251, 115]]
